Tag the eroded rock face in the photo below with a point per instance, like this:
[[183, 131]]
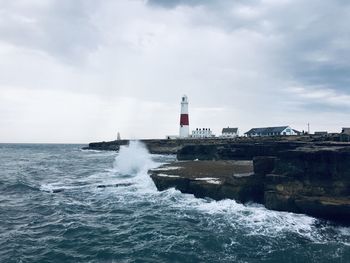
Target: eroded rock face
[[315, 163], [161, 146], [235, 151], [217, 180], [313, 181], [264, 164], [200, 152]]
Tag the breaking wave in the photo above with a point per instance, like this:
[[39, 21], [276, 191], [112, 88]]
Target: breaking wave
[[133, 159], [96, 207]]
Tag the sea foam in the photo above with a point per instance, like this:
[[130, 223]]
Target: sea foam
[[133, 159], [133, 162]]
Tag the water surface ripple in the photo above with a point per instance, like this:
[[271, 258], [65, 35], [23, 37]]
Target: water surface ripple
[[61, 204]]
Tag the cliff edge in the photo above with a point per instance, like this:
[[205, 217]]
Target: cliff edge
[[313, 180]]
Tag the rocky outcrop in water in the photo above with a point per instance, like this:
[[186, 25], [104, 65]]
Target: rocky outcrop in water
[[153, 146], [217, 180], [248, 149], [236, 151], [208, 149], [201, 146], [314, 180]]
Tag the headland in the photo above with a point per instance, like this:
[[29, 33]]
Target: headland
[[172, 146], [300, 174]]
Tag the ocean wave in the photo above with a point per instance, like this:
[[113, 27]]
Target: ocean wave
[[103, 216], [255, 219], [90, 150], [19, 187]]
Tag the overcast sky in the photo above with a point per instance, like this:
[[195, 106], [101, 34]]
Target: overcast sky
[[82, 70]]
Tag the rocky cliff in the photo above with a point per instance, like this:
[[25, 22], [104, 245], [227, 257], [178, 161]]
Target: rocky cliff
[[311, 179], [314, 181], [246, 150], [220, 146], [154, 146]]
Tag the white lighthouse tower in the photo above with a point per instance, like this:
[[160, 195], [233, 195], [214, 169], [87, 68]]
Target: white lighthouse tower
[[184, 120]]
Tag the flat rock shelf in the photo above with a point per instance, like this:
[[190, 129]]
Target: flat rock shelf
[[214, 179], [270, 181]]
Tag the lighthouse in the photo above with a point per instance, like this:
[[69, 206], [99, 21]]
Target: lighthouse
[[184, 121]]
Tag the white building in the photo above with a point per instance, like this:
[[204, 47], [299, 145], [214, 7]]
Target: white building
[[202, 133], [229, 132], [272, 131]]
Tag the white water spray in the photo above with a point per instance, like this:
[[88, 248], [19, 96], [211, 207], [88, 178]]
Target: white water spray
[[133, 159]]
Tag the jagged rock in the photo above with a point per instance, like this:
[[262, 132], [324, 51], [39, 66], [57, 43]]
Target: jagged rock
[[114, 185], [235, 151], [156, 146], [320, 163], [312, 180], [246, 145], [327, 207], [264, 164], [200, 152], [217, 180]]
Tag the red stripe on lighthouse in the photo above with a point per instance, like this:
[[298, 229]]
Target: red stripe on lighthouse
[[184, 119]]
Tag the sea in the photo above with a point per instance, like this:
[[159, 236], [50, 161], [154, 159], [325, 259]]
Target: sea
[[59, 203]]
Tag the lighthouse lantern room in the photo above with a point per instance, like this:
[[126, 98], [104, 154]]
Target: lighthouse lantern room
[[184, 120]]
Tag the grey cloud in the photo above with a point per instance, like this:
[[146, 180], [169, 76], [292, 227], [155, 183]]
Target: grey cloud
[[174, 3], [315, 42], [211, 3], [242, 56], [321, 107], [313, 38], [59, 28]]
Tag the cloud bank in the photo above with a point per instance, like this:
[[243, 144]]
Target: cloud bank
[[80, 71]]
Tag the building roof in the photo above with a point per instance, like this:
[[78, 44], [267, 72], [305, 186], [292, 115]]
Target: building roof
[[320, 132], [297, 132], [267, 130], [229, 130], [346, 130]]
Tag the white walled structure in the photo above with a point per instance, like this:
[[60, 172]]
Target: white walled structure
[[184, 119], [202, 133], [272, 131], [229, 132]]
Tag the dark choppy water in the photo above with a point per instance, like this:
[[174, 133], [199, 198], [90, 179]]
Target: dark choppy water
[[135, 223]]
